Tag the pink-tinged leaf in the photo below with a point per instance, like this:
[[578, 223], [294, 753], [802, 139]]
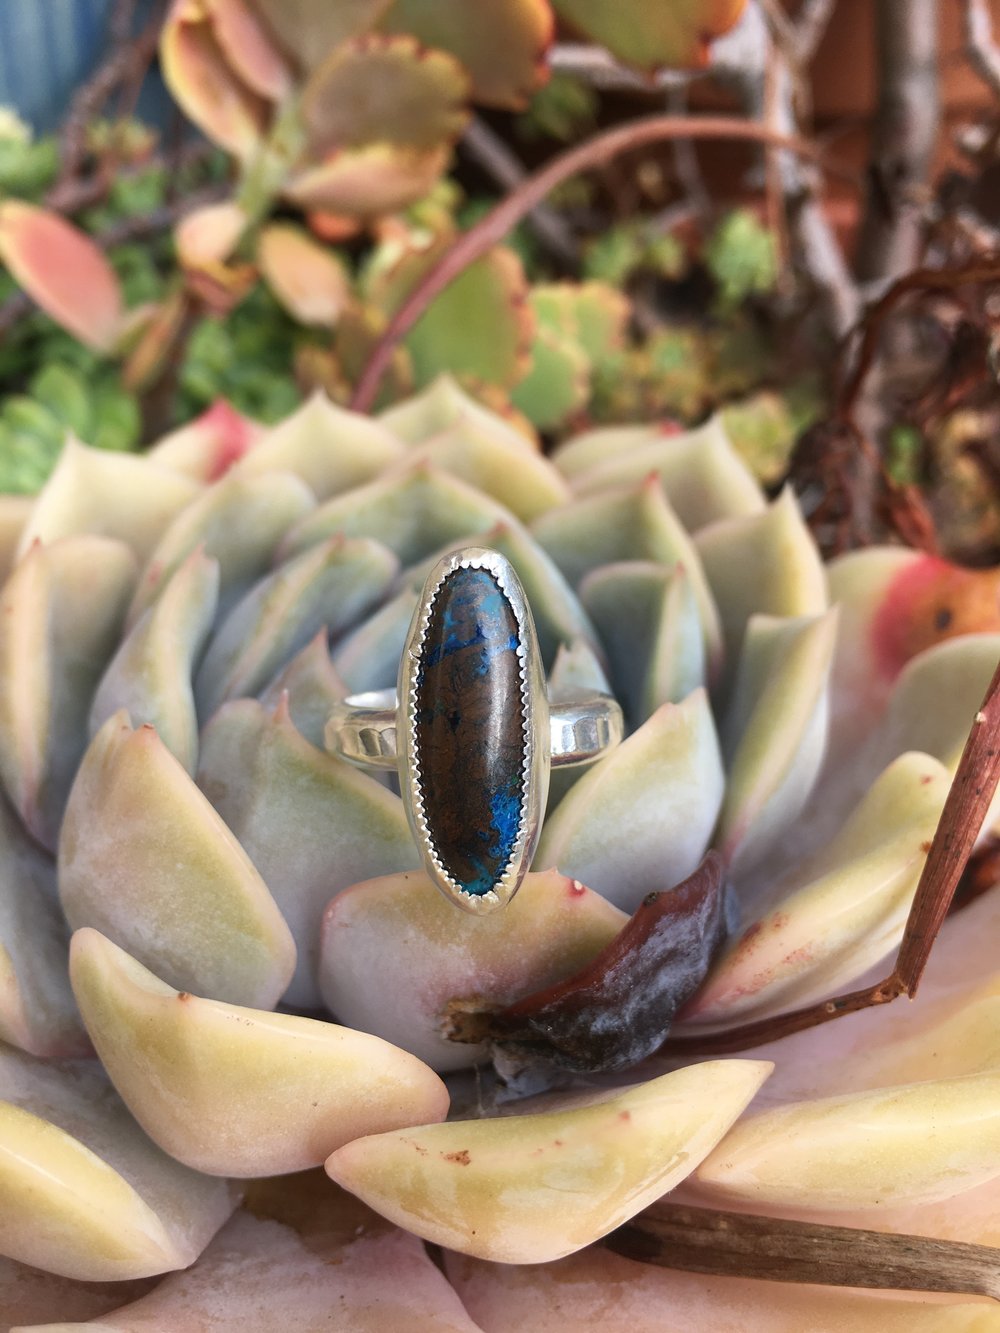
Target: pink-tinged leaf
[[205, 85], [249, 49], [368, 182], [207, 447], [617, 1009], [63, 271], [307, 278], [209, 235]]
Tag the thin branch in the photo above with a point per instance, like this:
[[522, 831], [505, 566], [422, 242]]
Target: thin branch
[[491, 229], [965, 809], [498, 160], [702, 1240], [983, 52], [810, 24], [686, 163], [598, 67]]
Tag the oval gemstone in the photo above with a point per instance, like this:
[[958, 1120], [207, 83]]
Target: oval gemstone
[[469, 729]]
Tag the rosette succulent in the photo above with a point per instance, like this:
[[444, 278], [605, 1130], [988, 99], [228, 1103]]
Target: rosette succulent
[[221, 969]]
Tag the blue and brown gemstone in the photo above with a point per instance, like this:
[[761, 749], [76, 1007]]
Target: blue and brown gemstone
[[469, 729]]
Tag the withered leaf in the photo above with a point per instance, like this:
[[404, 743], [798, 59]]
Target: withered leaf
[[617, 1010]]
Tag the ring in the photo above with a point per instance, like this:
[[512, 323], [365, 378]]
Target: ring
[[479, 732]]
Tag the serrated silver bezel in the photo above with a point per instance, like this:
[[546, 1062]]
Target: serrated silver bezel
[[535, 763]]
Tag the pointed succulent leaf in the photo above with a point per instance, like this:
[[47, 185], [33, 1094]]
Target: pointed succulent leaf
[[311, 824], [332, 585], [205, 85], [307, 278], [311, 686], [637, 523], [702, 474], [498, 1188], [61, 612], [402, 925], [300, 1254], [117, 495], [651, 37], [421, 102], [309, 31], [501, 45], [15, 511], [844, 908], [207, 447], [330, 448], [62, 270], [576, 669], [911, 1144], [766, 563], [556, 383], [144, 859], [150, 675], [584, 1290], [239, 521], [249, 48], [775, 731], [368, 658], [414, 511], [618, 1009], [368, 182], [664, 784], [191, 1071], [480, 326], [83, 1192], [442, 406], [647, 619], [37, 1011]]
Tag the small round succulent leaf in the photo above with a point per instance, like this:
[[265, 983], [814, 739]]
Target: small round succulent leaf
[[633, 523], [205, 85], [233, 1091], [208, 236], [63, 271], [207, 447], [761, 563], [501, 45], [703, 476], [150, 675], [85, 1194], [557, 382], [308, 31], [249, 48], [145, 859], [97, 491], [310, 823], [653, 36], [586, 1290], [839, 911], [775, 732], [239, 522], [385, 89], [413, 510], [665, 785], [61, 613], [401, 925], [498, 1188], [37, 1010], [308, 279], [311, 686], [331, 585], [368, 182], [647, 619], [915, 1143]]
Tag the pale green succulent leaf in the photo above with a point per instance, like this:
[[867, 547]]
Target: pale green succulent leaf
[[85, 1194], [444, 406], [15, 511], [311, 685], [118, 495], [402, 926], [145, 859], [498, 1188], [665, 785], [150, 675], [61, 613], [775, 732], [311, 824], [647, 619], [331, 585], [239, 522]]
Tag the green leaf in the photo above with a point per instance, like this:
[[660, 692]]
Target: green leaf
[[741, 257]]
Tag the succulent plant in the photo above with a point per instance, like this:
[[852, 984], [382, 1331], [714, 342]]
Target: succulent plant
[[270, 984]]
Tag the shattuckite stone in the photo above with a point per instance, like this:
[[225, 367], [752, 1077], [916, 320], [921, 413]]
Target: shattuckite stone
[[469, 729]]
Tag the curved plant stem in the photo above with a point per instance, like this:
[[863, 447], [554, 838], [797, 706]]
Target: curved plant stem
[[532, 190], [968, 801]]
